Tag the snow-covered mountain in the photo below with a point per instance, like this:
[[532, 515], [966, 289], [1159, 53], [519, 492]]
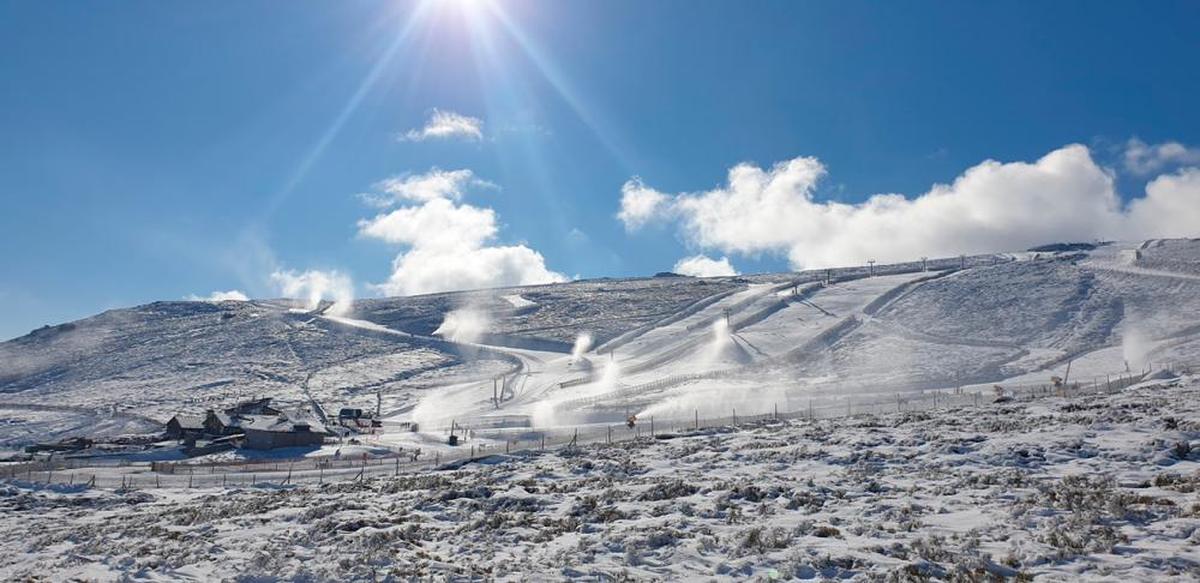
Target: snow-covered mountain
[[1086, 482], [666, 344]]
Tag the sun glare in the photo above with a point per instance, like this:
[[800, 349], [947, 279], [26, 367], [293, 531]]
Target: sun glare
[[467, 6]]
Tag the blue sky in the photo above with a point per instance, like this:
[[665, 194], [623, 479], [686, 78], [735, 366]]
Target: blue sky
[[155, 150]]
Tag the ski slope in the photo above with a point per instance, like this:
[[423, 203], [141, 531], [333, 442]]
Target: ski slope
[[664, 344]]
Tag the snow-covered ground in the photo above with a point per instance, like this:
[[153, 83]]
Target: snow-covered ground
[[661, 343], [169, 357], [1096, 488], [1060, 487]]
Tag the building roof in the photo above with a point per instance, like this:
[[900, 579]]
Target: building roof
[[255, 406], [281, 423], [189, 421]]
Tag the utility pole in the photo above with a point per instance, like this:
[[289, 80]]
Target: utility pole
[[871, 267], [924, 264]]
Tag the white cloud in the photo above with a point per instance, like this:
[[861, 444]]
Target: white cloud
[[640, 205], [703, 266], [220, 296], [994, 206], [435, 184], [438, 223], [312, 286], [448, 248], [1171, 207], [1142, 158], [447, 124], [428, 270]]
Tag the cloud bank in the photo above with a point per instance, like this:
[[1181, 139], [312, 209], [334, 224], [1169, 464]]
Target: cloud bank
[[1142, 158], [449, 244], [312, 286], [444, 125], [703, 266], [993, 206]]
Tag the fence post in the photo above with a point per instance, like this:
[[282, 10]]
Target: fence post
[[609, 438], [697, 419], [735, 417]]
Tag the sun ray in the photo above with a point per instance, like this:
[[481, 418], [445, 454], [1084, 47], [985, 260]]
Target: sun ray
[[364, 87], [602, 128]]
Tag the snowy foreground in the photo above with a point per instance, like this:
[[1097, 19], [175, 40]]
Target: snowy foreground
[[1096, 487]]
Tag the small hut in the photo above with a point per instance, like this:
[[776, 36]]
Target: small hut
[[185, 427], [271, 432]]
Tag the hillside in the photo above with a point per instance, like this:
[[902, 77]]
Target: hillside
[[671, 345]]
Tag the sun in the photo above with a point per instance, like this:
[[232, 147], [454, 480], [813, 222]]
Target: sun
[[467, 6]]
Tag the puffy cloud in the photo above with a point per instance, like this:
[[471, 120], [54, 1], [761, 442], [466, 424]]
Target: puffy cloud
[[432, 185], [232, 295], [1143, 158], [438, 223], [994, 206], [447, 124], [312, 286], [448, 247], [428, 270], [703, 266], [1171, 207], [640, 205]]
